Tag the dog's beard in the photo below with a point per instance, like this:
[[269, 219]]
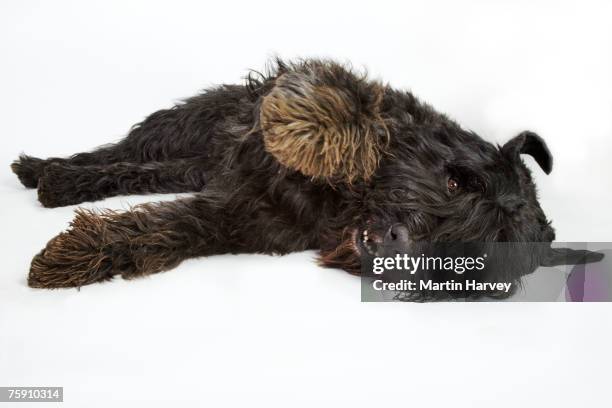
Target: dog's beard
[[346, 248], [341, 249]]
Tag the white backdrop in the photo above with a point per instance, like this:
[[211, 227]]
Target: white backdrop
[[280, 331]]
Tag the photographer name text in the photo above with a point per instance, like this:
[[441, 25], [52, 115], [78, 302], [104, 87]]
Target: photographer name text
[[451, 285]]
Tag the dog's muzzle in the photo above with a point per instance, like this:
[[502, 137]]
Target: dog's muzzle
[[395, 239]]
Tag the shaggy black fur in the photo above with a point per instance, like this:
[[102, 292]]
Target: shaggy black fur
[[309, 156]]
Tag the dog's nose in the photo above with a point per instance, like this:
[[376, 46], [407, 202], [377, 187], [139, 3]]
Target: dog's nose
[[397, 235]]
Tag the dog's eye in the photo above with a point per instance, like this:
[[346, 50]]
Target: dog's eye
[[452, 185]]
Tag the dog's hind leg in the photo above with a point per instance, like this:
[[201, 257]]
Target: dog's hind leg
[[148, 239], [66, 184], [160, 137]]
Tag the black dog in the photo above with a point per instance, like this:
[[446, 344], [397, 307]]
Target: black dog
[[309, 156]]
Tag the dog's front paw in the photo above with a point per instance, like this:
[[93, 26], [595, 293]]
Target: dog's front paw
[[73, 258], [28, 170]]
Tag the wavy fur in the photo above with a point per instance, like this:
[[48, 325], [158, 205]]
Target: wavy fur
[[325, 121], [305, 157]]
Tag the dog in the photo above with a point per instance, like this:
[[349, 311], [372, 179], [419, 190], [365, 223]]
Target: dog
[[310, 155]]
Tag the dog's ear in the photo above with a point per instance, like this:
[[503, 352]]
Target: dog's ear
[[530, 143], [325, 121]]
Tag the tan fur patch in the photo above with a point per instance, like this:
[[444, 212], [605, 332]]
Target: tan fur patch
[[322, 130], [99, 245], [74, 257]]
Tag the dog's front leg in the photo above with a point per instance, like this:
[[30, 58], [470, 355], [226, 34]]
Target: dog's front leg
[[147, 239]]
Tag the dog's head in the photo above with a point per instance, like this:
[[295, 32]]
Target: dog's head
[[407, 174]]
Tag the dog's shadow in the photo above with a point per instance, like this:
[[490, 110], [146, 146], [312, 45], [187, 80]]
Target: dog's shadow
[[588, 282]]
